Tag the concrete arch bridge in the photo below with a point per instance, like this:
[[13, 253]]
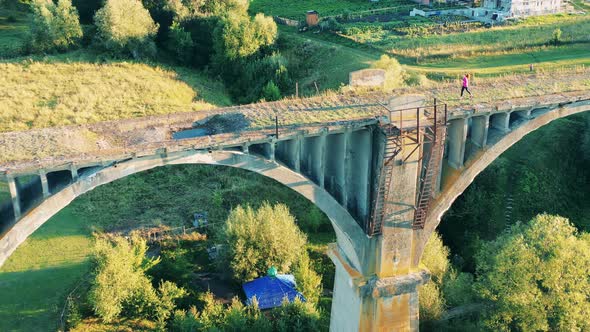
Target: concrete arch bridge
[[384, 169]]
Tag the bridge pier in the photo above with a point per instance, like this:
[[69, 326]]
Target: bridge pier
[[479, 130], [44, 184], [500, 121], [457, 137], [12, 187]]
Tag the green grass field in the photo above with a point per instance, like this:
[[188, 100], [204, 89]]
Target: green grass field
[[36, 279], [13, 31]]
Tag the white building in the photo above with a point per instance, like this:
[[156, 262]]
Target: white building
[[523, 7]]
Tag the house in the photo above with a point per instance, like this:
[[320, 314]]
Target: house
[[523, 7]]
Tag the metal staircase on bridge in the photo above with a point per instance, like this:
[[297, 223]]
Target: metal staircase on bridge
[[400, 138]]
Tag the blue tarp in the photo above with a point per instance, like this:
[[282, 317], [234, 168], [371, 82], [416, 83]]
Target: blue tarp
[[270, 291]]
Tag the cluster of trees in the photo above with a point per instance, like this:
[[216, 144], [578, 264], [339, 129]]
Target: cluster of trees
[[216, 35], [121, 287], [532, 277]]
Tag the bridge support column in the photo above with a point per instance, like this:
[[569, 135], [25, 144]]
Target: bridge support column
[[500, 121], [457, 137], [14, 195], [373, 304], [74, 171], [479, 130], [346, 164], [44, 184]]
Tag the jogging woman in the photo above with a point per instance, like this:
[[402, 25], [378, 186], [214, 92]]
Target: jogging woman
[[465, 86]]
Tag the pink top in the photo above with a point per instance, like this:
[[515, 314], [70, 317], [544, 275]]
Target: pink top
[[465, 81]]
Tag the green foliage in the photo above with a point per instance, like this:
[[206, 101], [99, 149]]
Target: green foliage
[[120, 286], [87, 9], [125, 27], [73, 317], [54, 27], [535, 277], [556, 36], [432, 302], [256, 240], [457, 288], [436, 258], [295, 316], [394, 73], [271, 92], [309, 283], [238, 36], [180, 43]]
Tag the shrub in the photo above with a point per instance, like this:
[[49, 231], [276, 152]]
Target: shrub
[[271, 92], [256, 240], [125, 27], [238, 36], [54, 27], [180, 43], [394, 73], [120, 285], [309, 282], [556, 36]]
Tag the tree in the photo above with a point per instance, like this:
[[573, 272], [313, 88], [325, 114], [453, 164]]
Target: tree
[[238, 36], [126, 27], [256, 240], [120, 285], [535, 277], [430, 298], [54, 27], [556, 36], [309, 282]]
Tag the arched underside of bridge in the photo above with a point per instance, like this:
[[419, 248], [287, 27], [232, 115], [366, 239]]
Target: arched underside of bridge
[[348, 233], [456, 185]]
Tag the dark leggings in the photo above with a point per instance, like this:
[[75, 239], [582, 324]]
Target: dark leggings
[[465, 89]]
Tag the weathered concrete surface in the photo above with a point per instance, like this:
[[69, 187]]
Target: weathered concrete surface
[[367, 78], [350, 237], [455, 185]]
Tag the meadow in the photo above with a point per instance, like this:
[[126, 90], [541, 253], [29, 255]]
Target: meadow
[[90, 91]]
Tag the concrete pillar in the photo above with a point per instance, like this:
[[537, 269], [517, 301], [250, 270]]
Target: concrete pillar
[[321, 167], [363, 303], [272, 149], [74, 171], [500, 121], [360, 164], [457, 136], [246, 148], [479, 130], [347, 167], [298, 149], [14, 195], [44, 184]]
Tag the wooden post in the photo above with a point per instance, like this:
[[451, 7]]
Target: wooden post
[[296, 89]]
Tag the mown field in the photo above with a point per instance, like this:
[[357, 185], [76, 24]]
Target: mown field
[[36, 279]]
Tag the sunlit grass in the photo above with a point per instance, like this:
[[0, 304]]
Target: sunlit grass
[[54, 92]]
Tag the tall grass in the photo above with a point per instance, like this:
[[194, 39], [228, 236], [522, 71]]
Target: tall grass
[[40, 94]]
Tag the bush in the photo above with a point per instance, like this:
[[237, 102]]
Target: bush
[[180, 43], [309, 283], [54, 27], [238, 36], [271, 92], [556, 36], [394, 73], [125, 27], [257, 240], [121, 287]]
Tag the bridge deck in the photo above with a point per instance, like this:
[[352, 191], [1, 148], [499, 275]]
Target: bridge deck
[[21, 152]]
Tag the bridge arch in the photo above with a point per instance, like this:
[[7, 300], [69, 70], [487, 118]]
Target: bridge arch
[[348, 233], [453, 186]]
